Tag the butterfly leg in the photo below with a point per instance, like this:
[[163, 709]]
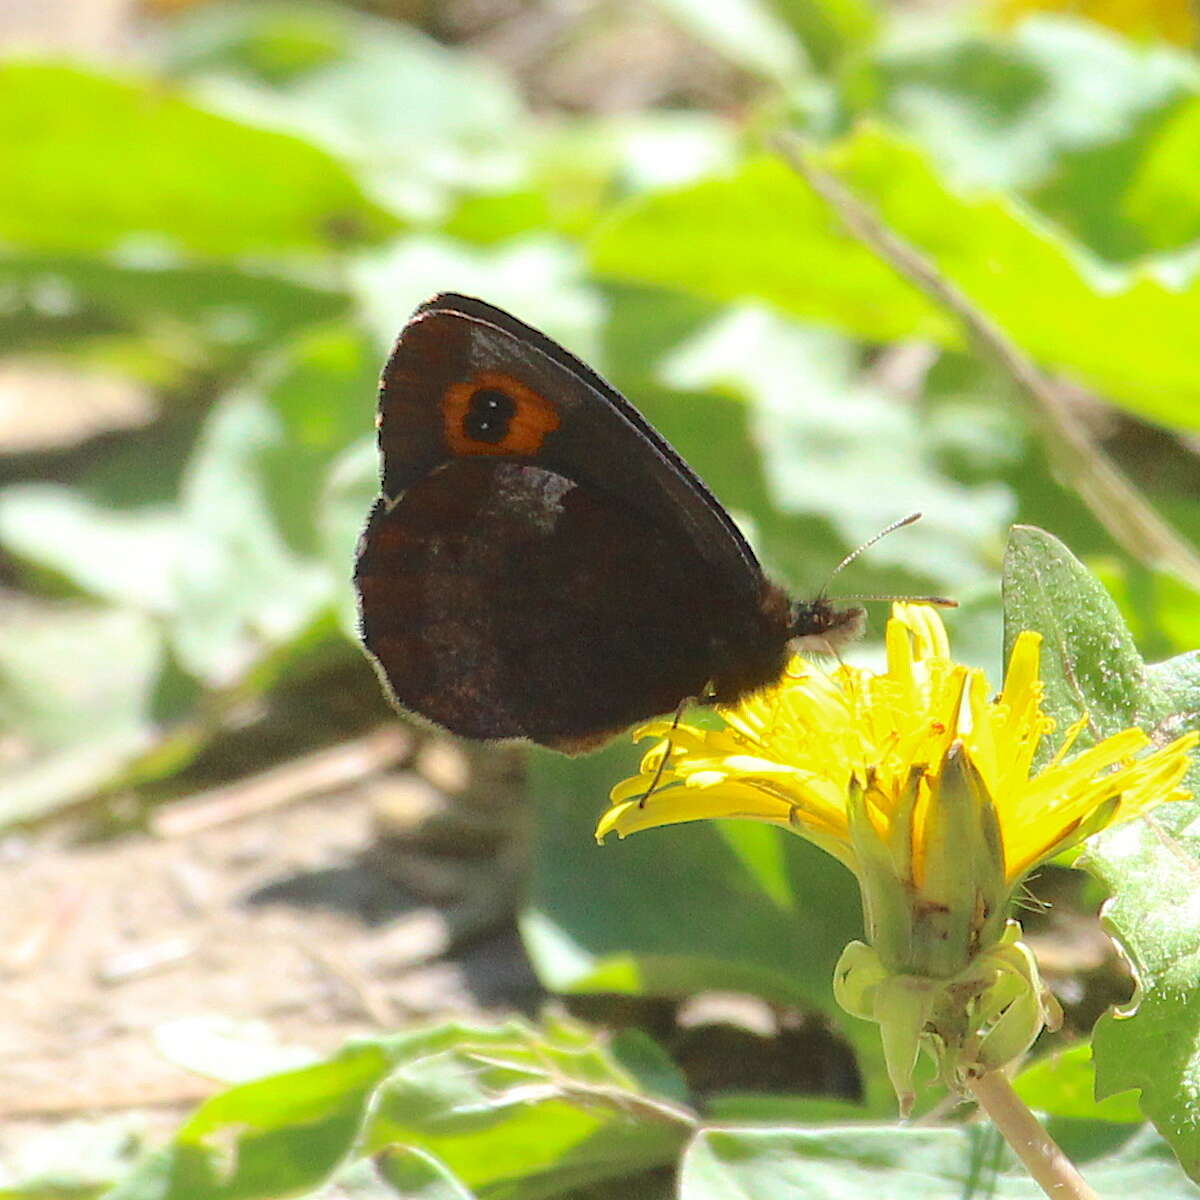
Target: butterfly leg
[[666, 754]]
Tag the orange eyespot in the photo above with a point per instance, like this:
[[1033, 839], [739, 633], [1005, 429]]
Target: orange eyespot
[[493, 413]]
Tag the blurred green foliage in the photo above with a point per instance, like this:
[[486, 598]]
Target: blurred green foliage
[[233, 230]]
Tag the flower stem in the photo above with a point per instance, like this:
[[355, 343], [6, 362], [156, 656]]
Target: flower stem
[[1054, 1173]]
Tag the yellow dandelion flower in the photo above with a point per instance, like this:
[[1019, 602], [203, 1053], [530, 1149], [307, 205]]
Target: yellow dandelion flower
[[926, 788], [795, 755]]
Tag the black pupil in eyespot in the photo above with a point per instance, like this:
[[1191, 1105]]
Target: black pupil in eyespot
[[489, 415]]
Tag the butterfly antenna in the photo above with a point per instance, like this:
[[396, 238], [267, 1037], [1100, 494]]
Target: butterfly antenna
[[912, 518], [936, 601]]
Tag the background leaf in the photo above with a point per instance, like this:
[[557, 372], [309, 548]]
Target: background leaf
[[416, 1175], [624, 917], [1039, 289], [201, 182], [933, 1164]]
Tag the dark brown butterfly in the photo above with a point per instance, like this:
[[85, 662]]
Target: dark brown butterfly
[[541, 564]]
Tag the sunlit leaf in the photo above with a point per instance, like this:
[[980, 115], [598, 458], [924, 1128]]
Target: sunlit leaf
[[135, 161], [762, 233], [819, 424], [515, 1114]]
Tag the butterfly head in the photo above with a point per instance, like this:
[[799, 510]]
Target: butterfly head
[[822, 627]]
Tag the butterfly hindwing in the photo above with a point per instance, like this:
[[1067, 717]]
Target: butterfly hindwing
[[502, 600]]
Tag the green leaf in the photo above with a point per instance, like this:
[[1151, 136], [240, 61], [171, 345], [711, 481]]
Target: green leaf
[[1089, 662], [261, 552], [1150, 868], [222, 308], [323, 394], [128, 557], [641, 1057], [762, 233], [272, 1137], [1063, 1085], [263, 534], [1090, 665], [416, 1175], [417, 120], [809, 407], [510, 1111], [909, 1164], [1006, 109], [132, 160], [726, 905], [517, 1113], [831, 30], [1164, 197]]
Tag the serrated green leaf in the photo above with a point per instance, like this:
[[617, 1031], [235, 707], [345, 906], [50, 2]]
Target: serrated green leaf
[[133, 160], [762, 233], [1150, 868], [905, 1164], [1089, 662], [1090, 665]]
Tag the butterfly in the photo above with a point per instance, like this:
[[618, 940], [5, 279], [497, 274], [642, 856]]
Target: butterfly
[[540, 563]]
